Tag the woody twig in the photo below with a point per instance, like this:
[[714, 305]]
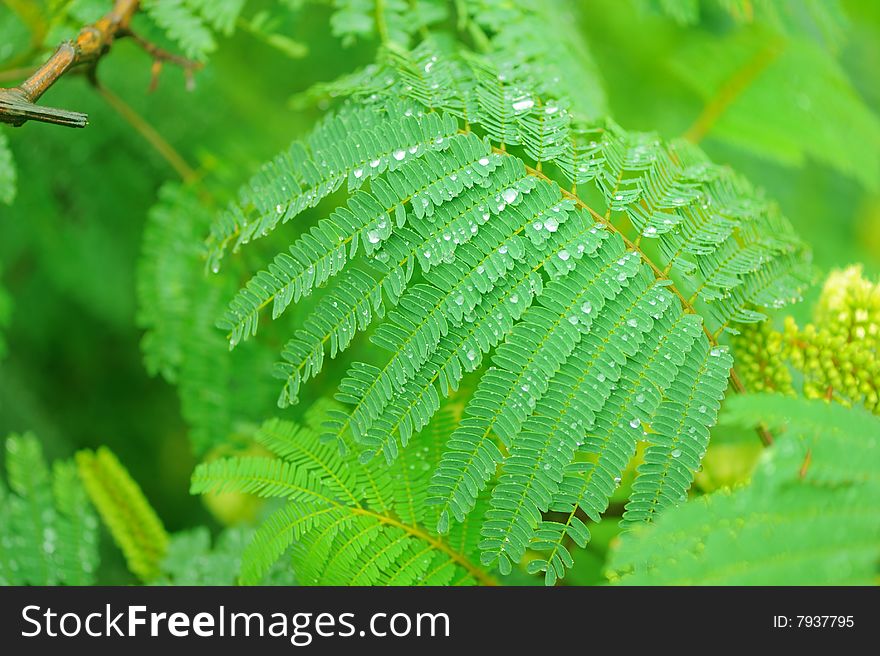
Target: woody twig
[[18, 104]]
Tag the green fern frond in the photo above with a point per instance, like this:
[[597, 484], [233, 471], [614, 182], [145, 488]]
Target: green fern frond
[[389, 21], [48, 530], [343, 523], [601, 308], [191, 559], [169, 246], [132, 522], [353, 147], [8, 175], [181, 21], [219, 14], [177, 307], [810, 516], [366, 221]]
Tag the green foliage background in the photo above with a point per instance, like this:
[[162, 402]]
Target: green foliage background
[[70, 240]]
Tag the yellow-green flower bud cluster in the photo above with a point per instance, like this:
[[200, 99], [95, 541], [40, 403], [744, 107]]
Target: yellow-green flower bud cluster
[[836, 355], [849, 307], [760, 359]]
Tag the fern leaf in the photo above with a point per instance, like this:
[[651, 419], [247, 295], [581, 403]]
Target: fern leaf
[[299, 446], [191, 561], [181, 22], [392, 21], [77, 526], [454, 223], [530, 42], [169, 247], [325, 250], [532, 354], [32, 519], [680, 435], [48, 530], [353, 146], [562, 289], [792, 525], [219, 14], [132, 522], [565, 419], [275, 535], [342, 523], [347, 309], [178, 303]]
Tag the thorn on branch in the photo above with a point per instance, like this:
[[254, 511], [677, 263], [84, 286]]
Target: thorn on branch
[[161, 57]]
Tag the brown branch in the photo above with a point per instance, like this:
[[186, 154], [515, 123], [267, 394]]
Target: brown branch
[[18, 104], [161, 56]]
